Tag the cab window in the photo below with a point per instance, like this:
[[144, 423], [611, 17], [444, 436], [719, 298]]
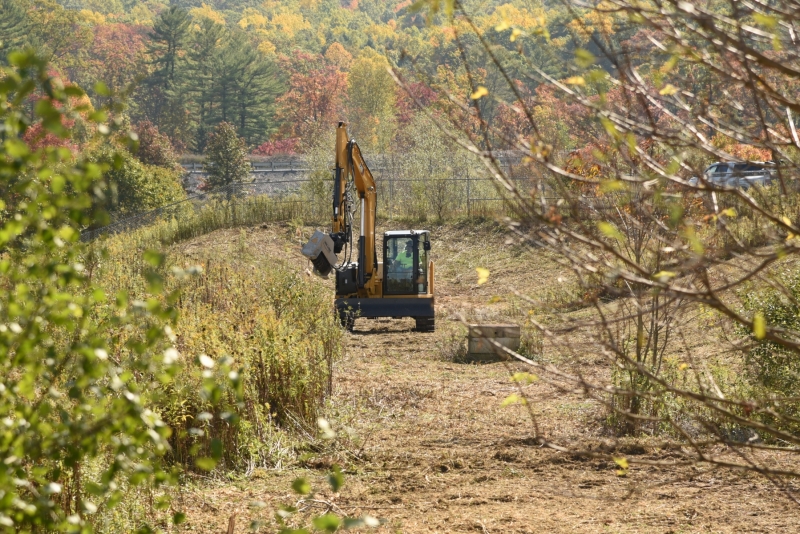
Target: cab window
[[399, 262]]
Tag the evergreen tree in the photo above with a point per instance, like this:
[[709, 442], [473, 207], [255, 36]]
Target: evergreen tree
[[256, 85], [166, 42], [230, 81], [224, 82], [204, 64], [165, 105], [227, 155], [13, 27]]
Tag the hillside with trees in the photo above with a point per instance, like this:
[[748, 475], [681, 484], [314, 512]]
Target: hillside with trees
[[281, 71]]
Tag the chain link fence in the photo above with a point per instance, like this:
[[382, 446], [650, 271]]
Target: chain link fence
[[282, 191]]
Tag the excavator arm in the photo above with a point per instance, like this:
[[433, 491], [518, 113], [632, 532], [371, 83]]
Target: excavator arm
[[322, 249], [340, 175], [365, 186]]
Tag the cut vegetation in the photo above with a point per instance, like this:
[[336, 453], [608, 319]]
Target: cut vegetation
[[429, 445]]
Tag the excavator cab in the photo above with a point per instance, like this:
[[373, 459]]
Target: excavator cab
[[403, 284], [405, 262]]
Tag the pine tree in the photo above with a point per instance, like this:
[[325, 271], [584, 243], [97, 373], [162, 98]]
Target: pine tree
[[227, 155], [166, 42], [204, 64], [164, 103], [256, 85], [13, 27]]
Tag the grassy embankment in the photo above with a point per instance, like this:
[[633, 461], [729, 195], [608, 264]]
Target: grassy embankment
[[259, 318]]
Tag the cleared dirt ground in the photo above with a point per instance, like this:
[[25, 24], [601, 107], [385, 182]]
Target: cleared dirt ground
[[427, 447]]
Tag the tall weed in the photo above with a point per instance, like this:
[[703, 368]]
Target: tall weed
[[265, 320]]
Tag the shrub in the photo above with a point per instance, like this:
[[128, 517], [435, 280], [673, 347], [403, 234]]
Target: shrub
[[452, 342], [155, 148], [65, 402], [273, 325], [133, 187], [286, 147], [774, 370]]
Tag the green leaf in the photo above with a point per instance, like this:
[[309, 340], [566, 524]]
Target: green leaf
[[609, 127], [102, 89], [513, 399], [584, 58], [206, 464], [336, 479], [668, 90], [16, 148], [216, 448], [595, 76], [178, 518], [327, 522], [18, 59], [73, 91], [98, 116], [524, 378], [694, 242], [609, 186], [664, 276], [301, 486], [155, 282], [154, 258], [670, 64], [768, 21], [609, 230]]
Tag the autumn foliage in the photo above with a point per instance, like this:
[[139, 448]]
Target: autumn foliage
[[282, 72]]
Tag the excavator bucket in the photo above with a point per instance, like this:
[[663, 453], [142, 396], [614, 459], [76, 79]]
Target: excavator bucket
[[319, 250]]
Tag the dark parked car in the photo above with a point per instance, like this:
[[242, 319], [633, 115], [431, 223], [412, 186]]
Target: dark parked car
[[741, 175]]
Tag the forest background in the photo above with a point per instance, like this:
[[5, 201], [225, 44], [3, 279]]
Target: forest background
[[283, 73], [278, 71]]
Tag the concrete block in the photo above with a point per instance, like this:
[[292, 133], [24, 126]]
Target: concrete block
[[479, 349]]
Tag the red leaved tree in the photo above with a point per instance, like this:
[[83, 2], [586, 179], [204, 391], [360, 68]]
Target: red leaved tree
[[287, 147], [117, 56], [315, 98], [155, 147]]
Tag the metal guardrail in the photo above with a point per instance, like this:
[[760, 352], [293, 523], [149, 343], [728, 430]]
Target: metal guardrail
[[295, 165], [255, 168]]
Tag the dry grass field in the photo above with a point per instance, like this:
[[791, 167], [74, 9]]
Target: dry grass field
[[426, 445]]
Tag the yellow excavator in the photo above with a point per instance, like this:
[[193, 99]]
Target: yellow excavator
[[401, 285]]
